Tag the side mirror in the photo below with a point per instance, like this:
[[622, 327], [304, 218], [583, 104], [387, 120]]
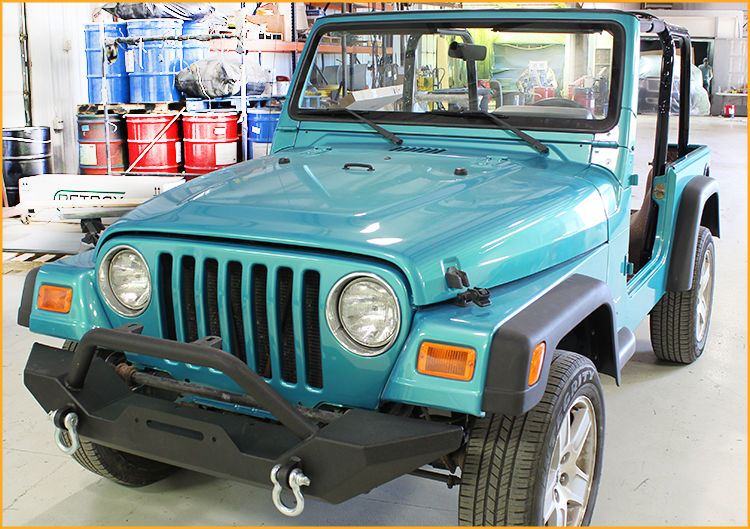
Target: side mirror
[[467, 52]]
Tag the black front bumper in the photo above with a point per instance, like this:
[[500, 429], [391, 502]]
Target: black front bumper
[[350, 456]]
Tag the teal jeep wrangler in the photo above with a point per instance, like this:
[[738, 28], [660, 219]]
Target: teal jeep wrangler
[[428, 275]]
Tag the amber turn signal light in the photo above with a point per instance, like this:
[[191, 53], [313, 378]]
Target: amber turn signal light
[[537, 362], [446, 361], [55, 299]]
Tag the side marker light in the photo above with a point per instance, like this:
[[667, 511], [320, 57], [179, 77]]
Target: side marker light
[[55, 299], [446, 361], [537, 362]]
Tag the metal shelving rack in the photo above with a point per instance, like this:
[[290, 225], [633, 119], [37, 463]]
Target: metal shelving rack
[[113, 42]]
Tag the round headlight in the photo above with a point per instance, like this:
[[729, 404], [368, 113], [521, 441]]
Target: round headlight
[[125, 281], [363, 313]]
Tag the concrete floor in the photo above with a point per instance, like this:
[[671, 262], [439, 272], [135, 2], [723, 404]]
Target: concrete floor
[[676, 436]]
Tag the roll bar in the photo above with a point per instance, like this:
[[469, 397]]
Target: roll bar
[[668, 35]]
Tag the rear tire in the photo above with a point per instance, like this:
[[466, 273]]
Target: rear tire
[[541, 468], [120, 467], [679, 321]]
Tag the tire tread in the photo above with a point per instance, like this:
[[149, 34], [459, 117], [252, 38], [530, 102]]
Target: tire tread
[[502, 457], [672, 321]]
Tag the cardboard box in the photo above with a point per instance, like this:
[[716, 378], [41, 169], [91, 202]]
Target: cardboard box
[[274, 23], [372, 98]]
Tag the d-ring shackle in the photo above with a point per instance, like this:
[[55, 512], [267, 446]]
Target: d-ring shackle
[[70, 422], [296, 480]]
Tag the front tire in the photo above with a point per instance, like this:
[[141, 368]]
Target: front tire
[[679, 321], [541, 468], [120, 467]]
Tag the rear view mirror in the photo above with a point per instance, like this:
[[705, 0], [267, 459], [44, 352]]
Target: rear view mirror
[[467, 52]]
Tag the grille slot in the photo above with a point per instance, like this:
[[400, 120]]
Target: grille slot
[[237, 327], [165, 288], [285, 321], [312, 329], [188, 298], [260, 320], [211, 287], [424, 150]]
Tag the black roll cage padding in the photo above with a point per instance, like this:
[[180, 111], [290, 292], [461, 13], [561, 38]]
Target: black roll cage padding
[[669, 34], [128, 338]]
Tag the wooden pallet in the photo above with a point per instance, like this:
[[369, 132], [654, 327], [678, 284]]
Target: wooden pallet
[[23, 262], [132, 108], [228, 103], [233, 103]]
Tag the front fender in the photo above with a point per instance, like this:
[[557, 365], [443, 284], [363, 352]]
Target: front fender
[[476, 327], [86, 310], [549, 319]]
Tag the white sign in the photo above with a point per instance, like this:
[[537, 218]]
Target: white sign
[[87, 154], [129, 61], [226, 153]]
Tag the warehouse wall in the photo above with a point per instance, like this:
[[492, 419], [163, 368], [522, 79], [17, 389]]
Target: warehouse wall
[[58, 71], [13, 115], [706, 24]]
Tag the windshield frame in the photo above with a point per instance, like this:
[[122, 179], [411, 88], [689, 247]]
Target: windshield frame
[[536, 24]]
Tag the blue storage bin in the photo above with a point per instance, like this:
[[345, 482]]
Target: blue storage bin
[[155, 63], [261, 124], [194, 50], [118, 86]]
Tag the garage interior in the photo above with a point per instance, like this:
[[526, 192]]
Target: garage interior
[[676, 436]]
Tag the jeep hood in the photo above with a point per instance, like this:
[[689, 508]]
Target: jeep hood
[[496, 218]]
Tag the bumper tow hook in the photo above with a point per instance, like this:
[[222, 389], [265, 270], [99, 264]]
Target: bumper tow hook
[[296, 480], [66, 420]]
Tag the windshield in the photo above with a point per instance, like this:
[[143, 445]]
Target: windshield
[[535, 74]]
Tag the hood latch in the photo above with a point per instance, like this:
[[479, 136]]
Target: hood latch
[[459, 279], [479, 296]]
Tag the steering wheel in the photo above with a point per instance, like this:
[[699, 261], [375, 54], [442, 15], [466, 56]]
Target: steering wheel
[[558, 102]]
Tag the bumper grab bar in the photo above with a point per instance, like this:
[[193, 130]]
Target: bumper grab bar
[[128, 338]]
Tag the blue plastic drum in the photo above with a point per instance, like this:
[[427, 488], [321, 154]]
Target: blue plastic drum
[[261, 124], [194, 50], [117, 78], [155, 63]]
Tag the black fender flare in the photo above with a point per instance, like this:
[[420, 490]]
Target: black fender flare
[[549, 319], [27, 298], [699, 206]]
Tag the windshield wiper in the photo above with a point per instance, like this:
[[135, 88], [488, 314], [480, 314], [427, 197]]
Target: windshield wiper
[[386, 134], [538, 145]]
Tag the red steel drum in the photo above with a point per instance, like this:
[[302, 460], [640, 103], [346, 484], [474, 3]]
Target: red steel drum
[[165, 156], [211, 141]]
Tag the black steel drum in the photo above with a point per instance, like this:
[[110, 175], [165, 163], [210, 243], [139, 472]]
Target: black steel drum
[[27, 151]]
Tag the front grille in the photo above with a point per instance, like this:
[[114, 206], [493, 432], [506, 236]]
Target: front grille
[[256, 310]]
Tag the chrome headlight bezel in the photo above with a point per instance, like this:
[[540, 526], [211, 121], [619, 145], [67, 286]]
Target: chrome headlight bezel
[[333, 317], [105, 287]]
